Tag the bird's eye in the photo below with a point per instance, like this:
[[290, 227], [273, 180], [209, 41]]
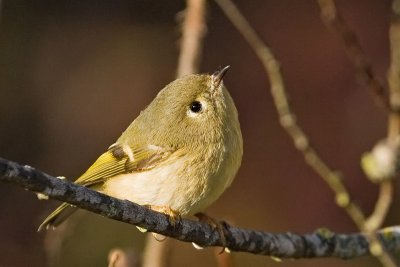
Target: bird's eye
[[195, 106]]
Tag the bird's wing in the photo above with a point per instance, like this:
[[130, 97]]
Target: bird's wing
[[120, 159]]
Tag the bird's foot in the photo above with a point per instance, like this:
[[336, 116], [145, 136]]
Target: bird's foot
[[173, 217], [217, 225]]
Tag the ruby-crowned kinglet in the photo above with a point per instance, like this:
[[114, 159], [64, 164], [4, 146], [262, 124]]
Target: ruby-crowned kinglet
[[179, 154]]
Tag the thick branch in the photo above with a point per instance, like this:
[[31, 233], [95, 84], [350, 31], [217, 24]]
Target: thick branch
[[286, 245]]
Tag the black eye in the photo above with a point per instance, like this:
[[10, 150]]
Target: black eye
[[195, 106]]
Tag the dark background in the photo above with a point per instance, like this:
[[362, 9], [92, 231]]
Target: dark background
[[74, 74]]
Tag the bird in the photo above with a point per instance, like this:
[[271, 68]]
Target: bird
[[177, 157]]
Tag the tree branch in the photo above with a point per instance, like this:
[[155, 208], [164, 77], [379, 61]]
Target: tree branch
[[287, 117], [322, 243], [334, 20], [193, 31]]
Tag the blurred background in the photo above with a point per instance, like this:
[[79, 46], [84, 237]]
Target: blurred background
[[74, 74]]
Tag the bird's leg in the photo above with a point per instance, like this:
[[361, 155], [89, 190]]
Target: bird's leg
[[217, 225], [173, 217]]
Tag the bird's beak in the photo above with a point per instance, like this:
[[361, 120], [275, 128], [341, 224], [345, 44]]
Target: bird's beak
[[218, 75]]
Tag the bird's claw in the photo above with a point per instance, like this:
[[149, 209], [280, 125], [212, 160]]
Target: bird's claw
[[220, 226], [173, 217]]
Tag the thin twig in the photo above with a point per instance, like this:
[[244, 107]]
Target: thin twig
[[394, 70], [321, 243], [394, 74], [386, 192], [122, 258], [157, 254], [287, 117], [223, 259], [334, 21], [193, 31], [375, 220]]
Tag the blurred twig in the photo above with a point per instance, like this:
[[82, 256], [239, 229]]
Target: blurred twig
[[157, 254], [375, 220], [193, 31], [286, 116], [394, 70], [122, 258], [223, 259], [394, 74], [334, 21], [322, 243], [394, 116], [55, 241]]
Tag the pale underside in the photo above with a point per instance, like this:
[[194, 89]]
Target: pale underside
[[172, 185]]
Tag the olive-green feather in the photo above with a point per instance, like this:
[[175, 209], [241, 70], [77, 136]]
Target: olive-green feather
[[57, 216]]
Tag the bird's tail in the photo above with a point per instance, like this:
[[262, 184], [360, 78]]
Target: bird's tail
[[58, 216]]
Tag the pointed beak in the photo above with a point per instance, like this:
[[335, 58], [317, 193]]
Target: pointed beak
[[218, 75]]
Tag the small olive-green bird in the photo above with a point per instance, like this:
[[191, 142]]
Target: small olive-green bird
[[178, 156]]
